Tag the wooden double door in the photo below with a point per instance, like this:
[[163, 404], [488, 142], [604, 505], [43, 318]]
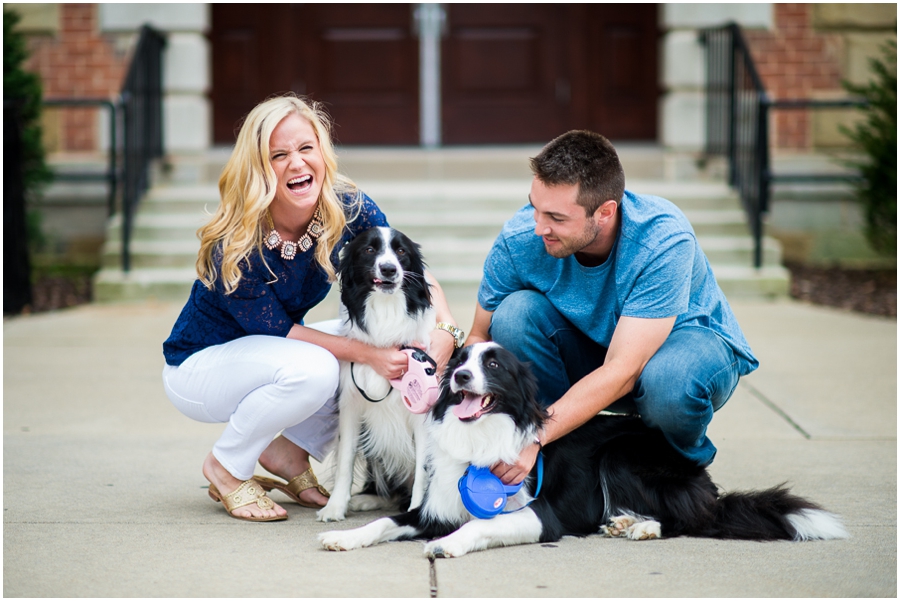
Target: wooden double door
[[509, 73]]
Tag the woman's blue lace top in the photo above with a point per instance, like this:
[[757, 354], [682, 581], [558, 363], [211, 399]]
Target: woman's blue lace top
[[261, 304]]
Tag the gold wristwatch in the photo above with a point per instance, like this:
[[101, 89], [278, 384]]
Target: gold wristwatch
[[458, 335]]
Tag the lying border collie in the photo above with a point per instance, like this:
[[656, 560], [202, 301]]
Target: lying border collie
[[388, 304], [613, 475]]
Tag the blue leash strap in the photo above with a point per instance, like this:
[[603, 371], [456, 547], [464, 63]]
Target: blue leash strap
[[540, 482]]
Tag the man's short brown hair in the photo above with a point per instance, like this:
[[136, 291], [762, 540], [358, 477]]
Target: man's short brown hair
[[584, 158]]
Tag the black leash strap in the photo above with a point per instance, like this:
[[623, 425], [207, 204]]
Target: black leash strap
[[363, 392]]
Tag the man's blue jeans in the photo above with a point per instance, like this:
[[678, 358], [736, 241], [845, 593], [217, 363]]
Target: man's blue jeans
[[692, 374]]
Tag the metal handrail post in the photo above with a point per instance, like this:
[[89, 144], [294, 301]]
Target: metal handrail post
[[764, 180], [141, 101], [747, 128], [732, 104], [111, 175], [111, 200], [128, 180]]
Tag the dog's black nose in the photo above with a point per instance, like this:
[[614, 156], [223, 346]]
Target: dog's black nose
[[388, 270], [462, 376]]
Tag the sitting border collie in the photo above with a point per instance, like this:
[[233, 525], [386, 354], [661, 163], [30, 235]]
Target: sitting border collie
[[388, 304], [613, 475]]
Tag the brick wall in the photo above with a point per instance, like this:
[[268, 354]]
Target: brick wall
[[76, 61], [795, 61]]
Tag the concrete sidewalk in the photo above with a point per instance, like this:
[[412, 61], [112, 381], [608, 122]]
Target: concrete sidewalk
[[103, 495]]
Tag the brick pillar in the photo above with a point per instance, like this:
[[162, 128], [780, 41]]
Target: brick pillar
[[78, 62], [794, 62]]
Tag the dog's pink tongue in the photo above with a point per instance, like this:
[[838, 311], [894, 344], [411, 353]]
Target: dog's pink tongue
[[469, 408]]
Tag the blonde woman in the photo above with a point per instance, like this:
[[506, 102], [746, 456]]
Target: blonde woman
[[239, 353]]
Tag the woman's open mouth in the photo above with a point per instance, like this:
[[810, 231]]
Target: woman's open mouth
[[300, 185]]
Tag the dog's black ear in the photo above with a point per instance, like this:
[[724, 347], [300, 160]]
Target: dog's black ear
[[418, 290], [448, 372], [528, 392], [345, 266], [446, 398], [350, 273]]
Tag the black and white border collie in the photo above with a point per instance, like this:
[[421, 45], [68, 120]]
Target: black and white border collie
[[613, 476], [386, 302]]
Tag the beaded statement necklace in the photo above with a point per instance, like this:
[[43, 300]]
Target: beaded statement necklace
[[288, 247]]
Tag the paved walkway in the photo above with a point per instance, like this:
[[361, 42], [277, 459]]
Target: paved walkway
[[103, 495]]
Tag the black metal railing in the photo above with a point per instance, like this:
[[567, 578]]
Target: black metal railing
[[111, 175], [139, 111], [737, 124], [141, 105]]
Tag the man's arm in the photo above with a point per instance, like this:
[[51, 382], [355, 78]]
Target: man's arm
[[634, 342]]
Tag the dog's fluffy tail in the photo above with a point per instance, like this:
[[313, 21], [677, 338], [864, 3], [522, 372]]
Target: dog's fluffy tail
[[773, 514]]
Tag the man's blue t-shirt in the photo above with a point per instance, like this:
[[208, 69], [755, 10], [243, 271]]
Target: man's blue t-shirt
[[656, 269], [262, 304]]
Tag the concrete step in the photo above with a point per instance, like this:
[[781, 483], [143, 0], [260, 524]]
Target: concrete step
[[170, 284], [745, 282], [437, 194], [194, 198], [153, 253], [448, 250], [455, 221], [640, 161], [734, 250], [415, 220], [158, 226], [111, 284]]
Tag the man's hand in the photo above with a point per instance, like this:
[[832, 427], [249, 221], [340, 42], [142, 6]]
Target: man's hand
[[515, 473]]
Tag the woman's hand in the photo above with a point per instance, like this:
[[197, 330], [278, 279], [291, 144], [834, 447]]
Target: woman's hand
[[441, 348], [388, 363]]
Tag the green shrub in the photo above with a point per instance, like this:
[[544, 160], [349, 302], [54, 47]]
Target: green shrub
[[877, 138], [24, 88]]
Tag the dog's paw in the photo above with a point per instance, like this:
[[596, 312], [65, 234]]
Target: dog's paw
[[644, 530], [369, 503], [331, 513], [444, 548], [435, 550], [340, 540], [618, 526]]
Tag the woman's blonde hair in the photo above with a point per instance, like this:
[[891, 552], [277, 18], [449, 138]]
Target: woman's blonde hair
[[247, 187]]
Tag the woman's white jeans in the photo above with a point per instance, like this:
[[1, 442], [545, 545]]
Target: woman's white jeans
[[260, 386]]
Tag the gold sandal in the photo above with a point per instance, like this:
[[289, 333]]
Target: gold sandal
[[295, 486], [248, 493]]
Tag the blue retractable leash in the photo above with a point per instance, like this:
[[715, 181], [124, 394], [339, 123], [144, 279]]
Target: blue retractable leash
[[484, 495]]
